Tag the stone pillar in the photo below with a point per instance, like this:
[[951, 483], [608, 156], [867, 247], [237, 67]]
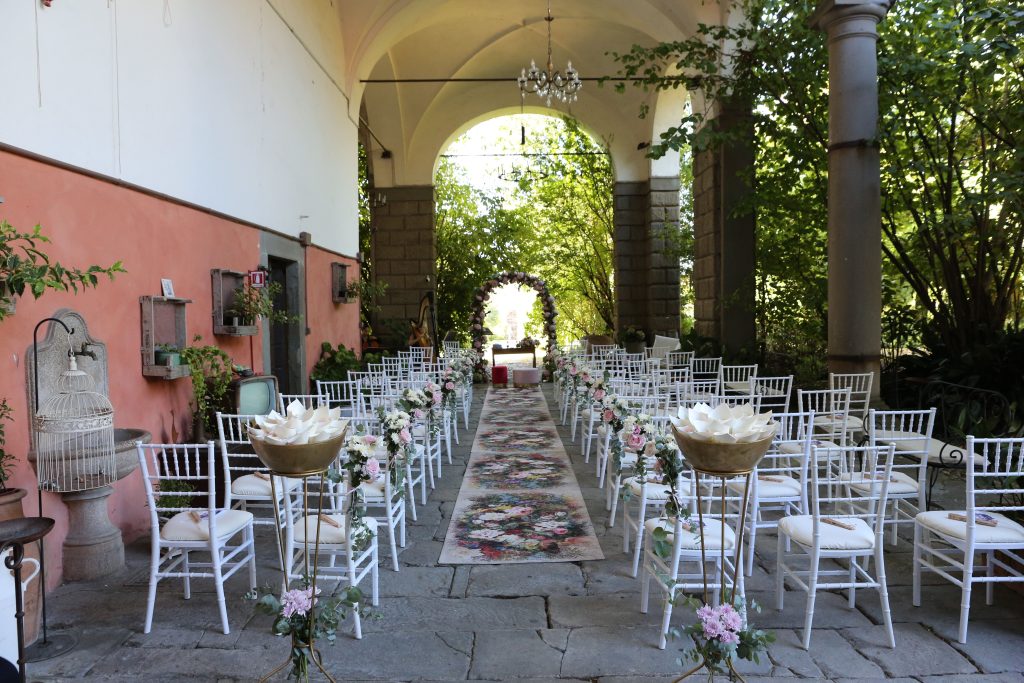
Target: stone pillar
[[662, 256], [646, 277], [854, 200], [630, 254], [723, 270], [404, 254]]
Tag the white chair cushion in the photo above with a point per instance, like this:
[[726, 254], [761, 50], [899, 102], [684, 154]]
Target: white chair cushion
[[899, 484], [786, 487], [655, 490], [184, 527], [801, 529], [1005, 531], [251, 485], [372, 489], [796, 448], [739, 387], [829, 422], [691, 540], [329, 534]]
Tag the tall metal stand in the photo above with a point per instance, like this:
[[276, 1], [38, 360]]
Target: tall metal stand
[[46, 648], [310, 644], [737, 557]]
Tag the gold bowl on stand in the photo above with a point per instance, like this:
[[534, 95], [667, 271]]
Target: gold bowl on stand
[[722, 459], [299, 460]]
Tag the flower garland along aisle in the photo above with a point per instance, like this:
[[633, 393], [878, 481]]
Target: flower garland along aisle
[[721, 633]]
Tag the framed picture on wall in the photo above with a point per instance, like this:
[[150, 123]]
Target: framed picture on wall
[[167, 287]]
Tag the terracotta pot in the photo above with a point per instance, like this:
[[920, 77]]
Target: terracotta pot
[[11, 508]]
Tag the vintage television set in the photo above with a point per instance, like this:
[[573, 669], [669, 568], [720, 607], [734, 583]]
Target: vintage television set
[[254, 395]]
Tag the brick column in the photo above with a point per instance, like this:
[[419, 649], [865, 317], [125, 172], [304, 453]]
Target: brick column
[[646, 279], [404, 255], [630, 254], [663, 269], [724, 238]]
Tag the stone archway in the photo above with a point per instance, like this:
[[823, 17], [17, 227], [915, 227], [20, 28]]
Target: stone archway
[[483, 294]]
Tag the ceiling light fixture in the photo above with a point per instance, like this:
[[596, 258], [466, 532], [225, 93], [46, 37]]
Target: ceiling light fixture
[[550, 83]]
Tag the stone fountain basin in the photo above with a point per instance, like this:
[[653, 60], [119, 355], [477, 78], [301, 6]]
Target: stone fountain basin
[[125, 455], [126, 458]]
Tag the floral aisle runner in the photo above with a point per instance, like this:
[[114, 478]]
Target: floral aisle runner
[[519, 501]]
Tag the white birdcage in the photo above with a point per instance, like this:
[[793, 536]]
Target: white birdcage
[[74, 436]]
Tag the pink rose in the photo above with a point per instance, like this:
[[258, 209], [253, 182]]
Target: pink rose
[[449, 386], [608, 415], [437, 398], [370, 440], [418, 414], [599, 394], [635, 441], [404, 436], [372, 468]]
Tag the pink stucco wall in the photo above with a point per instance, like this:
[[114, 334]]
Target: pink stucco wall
[[91, 221]]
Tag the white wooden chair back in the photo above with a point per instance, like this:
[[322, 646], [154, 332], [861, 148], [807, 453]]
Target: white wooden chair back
[[705, 368], [774, 392], [835, 471], [831, 408], [738, 378], [859, 385]]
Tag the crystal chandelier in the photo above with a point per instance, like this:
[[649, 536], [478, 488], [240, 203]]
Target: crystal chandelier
[[550, 83]]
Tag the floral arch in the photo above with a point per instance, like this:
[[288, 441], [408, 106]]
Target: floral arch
[[476, 322]]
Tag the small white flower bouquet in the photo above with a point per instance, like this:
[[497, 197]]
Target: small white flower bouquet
[[724, 423], [298, 425]]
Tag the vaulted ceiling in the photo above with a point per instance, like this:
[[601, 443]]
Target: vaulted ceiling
[[440, 39]]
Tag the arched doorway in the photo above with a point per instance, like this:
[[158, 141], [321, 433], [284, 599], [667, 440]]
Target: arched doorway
[[476, 319]]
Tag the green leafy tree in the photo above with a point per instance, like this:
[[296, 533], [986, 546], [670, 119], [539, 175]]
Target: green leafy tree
[[476, 236], [951, 119]]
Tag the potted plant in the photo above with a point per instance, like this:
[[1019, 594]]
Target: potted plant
[[167, 354], [252, 303], [334, 364], [211, 372], [634, 339]]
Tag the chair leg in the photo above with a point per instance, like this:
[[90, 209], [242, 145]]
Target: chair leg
[[780, 579], [218, 578], [851, 598], [883, 594], [965, 597], [401, 526], [641, 521], [916, 599], [812, 589], [250, 539], [187, 579], [357, 622], [375, 575], [392, 522], [645, 583], [989, 572], [666, 620], [154, 579], [754, 513]]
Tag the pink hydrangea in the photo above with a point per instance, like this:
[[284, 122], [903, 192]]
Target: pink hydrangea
[[297, 601]]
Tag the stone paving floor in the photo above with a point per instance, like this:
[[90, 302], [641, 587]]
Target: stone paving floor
[[527, 623]]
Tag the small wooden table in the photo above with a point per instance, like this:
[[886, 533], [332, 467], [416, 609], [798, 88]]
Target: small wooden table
[[515, 350]]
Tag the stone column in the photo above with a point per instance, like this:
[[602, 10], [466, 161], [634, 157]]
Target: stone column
[[646, 278], [662, 256], [630, 254], [404, 253], [724, 235], [854, 200]]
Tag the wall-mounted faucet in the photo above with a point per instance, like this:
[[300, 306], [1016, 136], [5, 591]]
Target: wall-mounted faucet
[[84, 351]]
